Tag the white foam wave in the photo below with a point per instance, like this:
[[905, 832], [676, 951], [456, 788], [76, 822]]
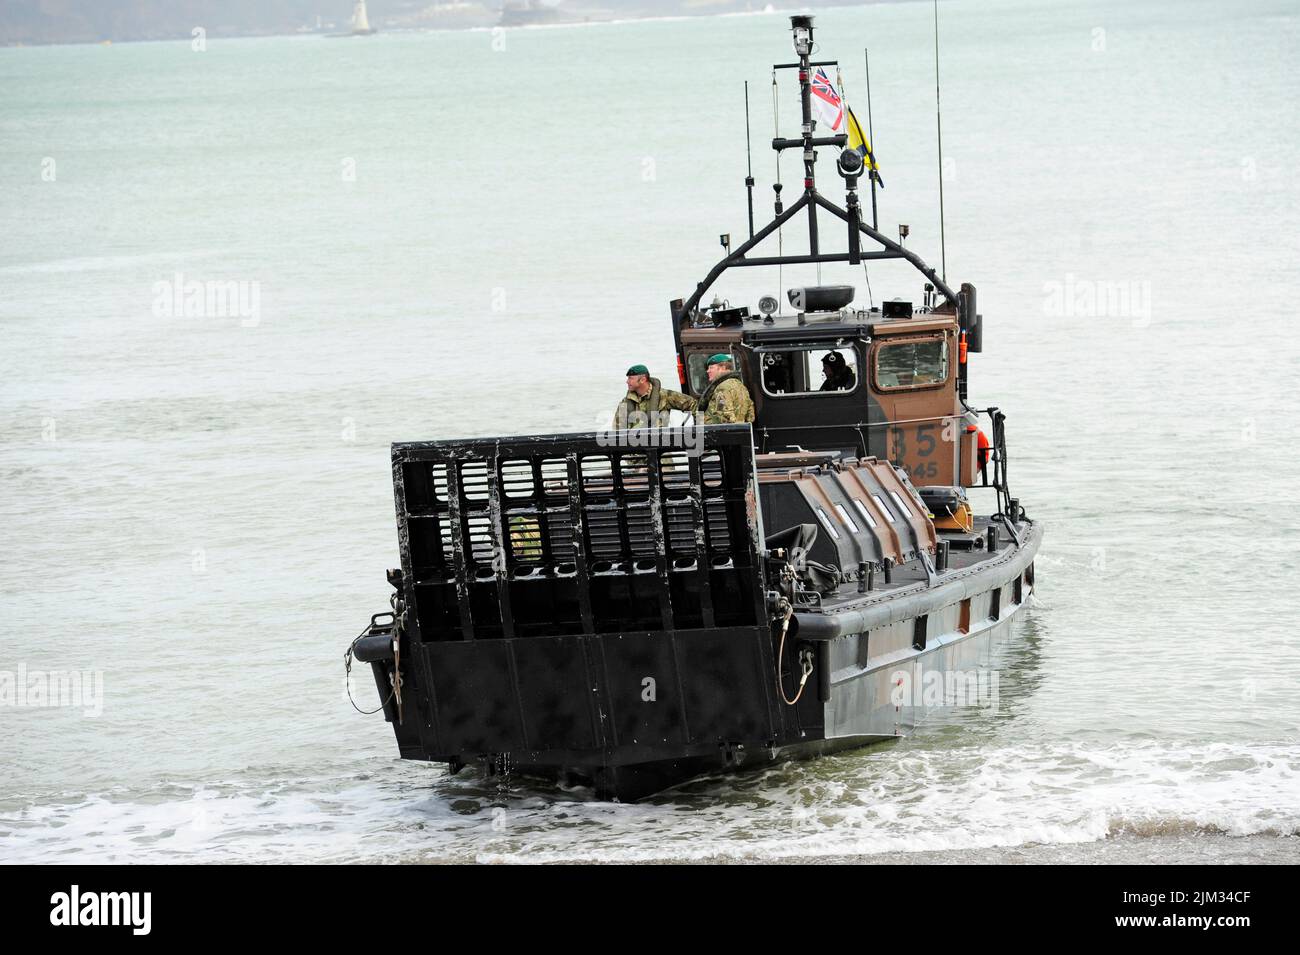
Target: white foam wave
[[888, 802]]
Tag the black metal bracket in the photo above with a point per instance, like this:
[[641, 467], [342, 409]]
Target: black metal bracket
[[890, 249]]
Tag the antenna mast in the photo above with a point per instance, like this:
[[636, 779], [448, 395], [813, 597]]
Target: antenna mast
[[850, 165], [802, 28], [749, 165], [938, 122]]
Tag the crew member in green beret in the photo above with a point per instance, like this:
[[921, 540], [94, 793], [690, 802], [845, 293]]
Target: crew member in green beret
[[726, 399], [647, 403]]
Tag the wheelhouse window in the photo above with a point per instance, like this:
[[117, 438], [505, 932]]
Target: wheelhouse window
[[915, 363], [809, 371]]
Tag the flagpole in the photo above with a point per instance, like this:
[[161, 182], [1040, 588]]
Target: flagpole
[[871, 135]]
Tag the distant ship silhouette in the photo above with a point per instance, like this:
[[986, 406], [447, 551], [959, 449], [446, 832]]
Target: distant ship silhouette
[[527, 13], [360, 22]]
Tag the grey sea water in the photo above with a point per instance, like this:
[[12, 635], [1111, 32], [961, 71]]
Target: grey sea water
[[452, 234]]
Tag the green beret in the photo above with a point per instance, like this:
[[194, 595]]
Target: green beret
[[719, 359], [639, 370]]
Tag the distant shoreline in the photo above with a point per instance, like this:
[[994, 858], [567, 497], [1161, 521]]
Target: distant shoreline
[[487, 21], [457, 24]]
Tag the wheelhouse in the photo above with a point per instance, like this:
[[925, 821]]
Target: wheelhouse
[[882, 383]]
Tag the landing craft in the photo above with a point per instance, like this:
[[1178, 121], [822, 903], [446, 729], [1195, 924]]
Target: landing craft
[[633, 614]]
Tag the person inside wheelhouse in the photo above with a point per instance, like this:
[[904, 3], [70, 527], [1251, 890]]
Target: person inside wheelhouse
[[792, 372], [837, 373]]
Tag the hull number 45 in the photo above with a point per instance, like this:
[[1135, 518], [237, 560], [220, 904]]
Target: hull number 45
[[914, 452]]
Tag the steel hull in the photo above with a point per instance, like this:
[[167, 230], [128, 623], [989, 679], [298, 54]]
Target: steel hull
[[648, 748]]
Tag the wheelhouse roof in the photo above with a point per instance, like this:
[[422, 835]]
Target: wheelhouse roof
[[757, 330]]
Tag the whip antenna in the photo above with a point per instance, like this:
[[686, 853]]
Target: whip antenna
[[749, 165], [938, 122]]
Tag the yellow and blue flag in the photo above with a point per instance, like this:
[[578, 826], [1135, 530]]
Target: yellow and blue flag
[[858, 141]]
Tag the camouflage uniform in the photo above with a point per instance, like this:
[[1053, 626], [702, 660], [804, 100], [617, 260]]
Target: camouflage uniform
[[526, 538], [650, 410], [729, 404]]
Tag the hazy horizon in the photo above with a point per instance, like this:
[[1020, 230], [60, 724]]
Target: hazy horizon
[[42, 22]]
